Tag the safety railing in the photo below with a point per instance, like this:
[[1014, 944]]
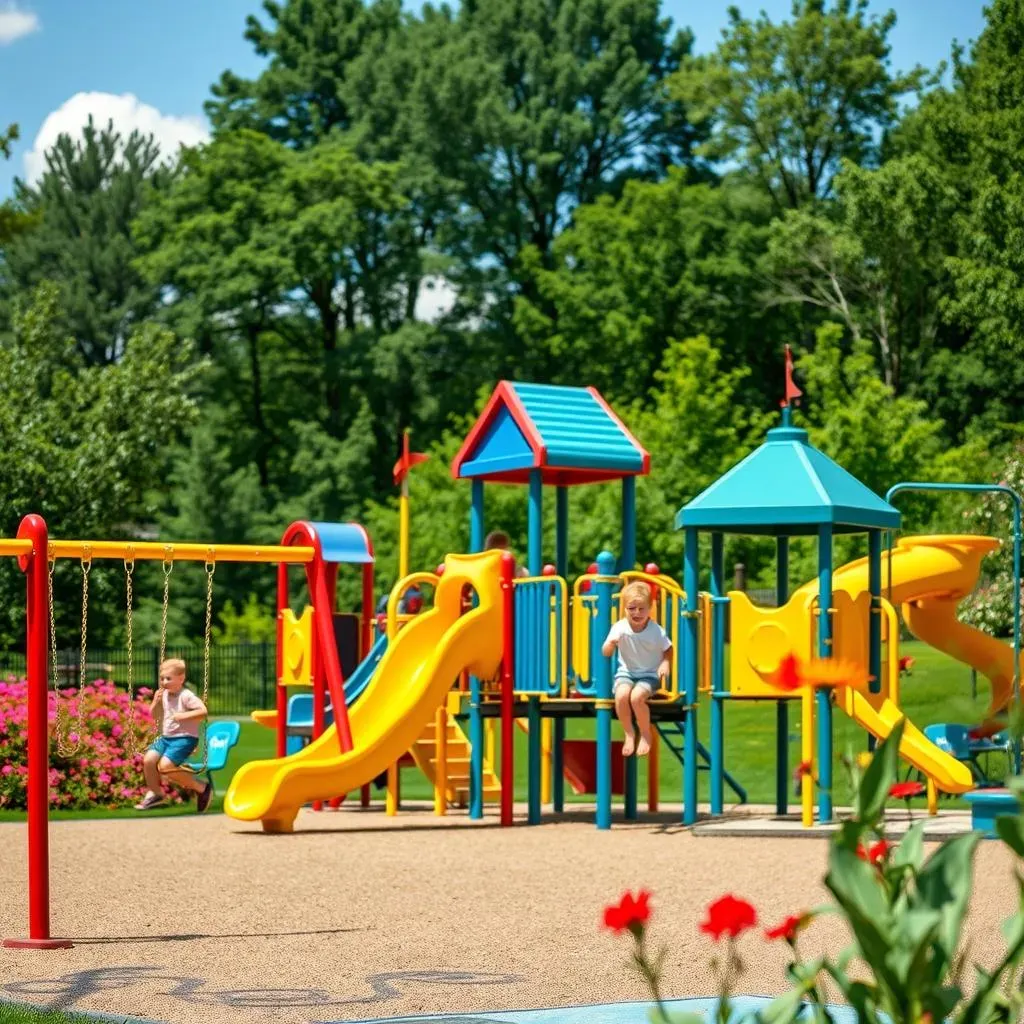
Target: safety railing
[[395, 619], [541, 635]]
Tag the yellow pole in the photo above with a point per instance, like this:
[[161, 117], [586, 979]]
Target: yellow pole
[[403, 530], [490, 742], [807, 757], [391, 800], [441, 761], [546, 743], [933, 796]]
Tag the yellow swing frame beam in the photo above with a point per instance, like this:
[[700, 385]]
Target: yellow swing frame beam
[[151, 551]]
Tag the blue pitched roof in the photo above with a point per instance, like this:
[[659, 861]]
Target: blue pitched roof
[[787, 487], [570, 434]]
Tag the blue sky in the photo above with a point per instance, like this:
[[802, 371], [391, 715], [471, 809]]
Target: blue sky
[[150, 63]]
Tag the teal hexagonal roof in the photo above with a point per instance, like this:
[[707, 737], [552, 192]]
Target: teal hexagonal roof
[[786, 487]]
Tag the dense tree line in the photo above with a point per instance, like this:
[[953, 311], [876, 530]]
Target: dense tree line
[[211, 347]]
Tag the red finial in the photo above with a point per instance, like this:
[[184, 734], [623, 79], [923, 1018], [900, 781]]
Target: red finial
[[792, 391]]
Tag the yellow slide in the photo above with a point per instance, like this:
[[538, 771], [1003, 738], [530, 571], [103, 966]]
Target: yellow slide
[[930, 576], [412, 680]]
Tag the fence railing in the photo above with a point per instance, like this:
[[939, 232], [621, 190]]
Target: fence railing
[[242, 676]]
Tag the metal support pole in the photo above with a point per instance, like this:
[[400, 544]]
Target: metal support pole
[[781, 706], [628, 559], [717, 708], [690, 638], [823, 695], [603, 678]]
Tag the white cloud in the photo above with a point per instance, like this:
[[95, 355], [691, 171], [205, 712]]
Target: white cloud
[[14, 23], [127, 112]]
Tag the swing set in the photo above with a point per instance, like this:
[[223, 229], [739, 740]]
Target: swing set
[[37, 556]]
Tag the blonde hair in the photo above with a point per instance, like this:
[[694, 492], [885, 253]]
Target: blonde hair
[[634, 590], [176, 666]]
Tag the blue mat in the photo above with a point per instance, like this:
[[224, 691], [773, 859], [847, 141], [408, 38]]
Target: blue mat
[[605, 1013]]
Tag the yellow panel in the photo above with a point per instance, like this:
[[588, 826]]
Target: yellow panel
[[760, 638], [297, 639]]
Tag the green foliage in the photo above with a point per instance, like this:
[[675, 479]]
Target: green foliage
[[790, 101], [252, 624], [633, 274], [85, 445], [6, 138], [906, 914], [73, 229], [990, 607]]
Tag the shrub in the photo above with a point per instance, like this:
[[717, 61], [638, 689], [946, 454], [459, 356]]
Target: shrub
[[105, 769]]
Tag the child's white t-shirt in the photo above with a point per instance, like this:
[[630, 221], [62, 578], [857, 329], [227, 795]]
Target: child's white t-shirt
[[640, 652], [183, 700]]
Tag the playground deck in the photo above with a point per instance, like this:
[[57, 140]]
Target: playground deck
[[361, 916]]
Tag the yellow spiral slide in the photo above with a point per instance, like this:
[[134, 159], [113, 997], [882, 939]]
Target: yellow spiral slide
[[410, 682], [929, 577]]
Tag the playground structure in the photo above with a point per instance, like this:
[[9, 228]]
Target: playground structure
[[551, 666], [531, 646]]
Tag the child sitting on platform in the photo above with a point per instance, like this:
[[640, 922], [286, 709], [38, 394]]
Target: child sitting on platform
[[644, 662]]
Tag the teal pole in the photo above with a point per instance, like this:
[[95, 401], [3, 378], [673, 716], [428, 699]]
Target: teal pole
[[562, 568], [823, 697], [628, 559], [476, 722], [533, 746], [562, 531], [781, 706], [604, 703], [875, 617], [629, 780], [535, 525], [717, 707], [690, 583], [558, 766]]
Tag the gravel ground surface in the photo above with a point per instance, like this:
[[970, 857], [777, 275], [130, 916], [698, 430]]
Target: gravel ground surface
[[202, 919]]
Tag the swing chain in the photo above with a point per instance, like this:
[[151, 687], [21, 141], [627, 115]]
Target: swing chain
[[168, 566], [132, 741], [211, 568], [61, 724]]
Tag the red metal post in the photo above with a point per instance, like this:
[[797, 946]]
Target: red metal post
[[281, 694], [34, 566], [508, 781]]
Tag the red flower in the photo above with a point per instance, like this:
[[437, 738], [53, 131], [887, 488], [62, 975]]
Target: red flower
[[629, 914], [905, 790], [729, 916], [874, 854], [802, 769], [906, 663], [787, 675], [790, 928]]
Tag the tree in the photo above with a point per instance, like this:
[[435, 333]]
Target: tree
[[86, 445], [633, 275], [790, 101], [874, 261], [80, 213], [11, 135]]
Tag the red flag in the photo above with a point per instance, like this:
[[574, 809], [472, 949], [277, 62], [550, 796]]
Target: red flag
[[407, 460], [792, 391]]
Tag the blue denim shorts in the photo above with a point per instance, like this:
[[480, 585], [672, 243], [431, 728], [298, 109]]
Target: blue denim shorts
[[175, 748]]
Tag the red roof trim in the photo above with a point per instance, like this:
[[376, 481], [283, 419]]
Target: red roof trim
[[622, 426], [502, 396]]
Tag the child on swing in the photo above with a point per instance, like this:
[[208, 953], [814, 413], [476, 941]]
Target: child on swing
[[181, 712], [644, 652]]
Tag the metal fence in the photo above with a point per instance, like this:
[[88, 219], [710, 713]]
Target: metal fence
[[242, 676]]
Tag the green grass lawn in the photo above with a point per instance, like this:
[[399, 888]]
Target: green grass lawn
[[11, 1014], [938, 690]]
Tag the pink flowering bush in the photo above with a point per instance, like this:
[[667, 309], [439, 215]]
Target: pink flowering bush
[[103, 772], [990, 607]]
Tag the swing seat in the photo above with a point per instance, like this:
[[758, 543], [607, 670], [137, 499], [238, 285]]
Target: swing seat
[[220, 738]]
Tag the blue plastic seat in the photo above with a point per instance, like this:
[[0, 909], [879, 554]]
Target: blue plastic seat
[[220, 738], [950, 738]]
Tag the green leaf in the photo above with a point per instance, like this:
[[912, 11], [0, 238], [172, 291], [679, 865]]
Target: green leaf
[[944, 884], [910, 852], [1011, 831], [879, 776]]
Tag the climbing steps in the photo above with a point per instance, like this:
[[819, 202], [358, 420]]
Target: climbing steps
[[424, 753], [673, 734]]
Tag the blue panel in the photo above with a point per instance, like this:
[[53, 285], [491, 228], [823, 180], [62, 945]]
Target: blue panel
[[343, 543], [503, 447], [576, 430]]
